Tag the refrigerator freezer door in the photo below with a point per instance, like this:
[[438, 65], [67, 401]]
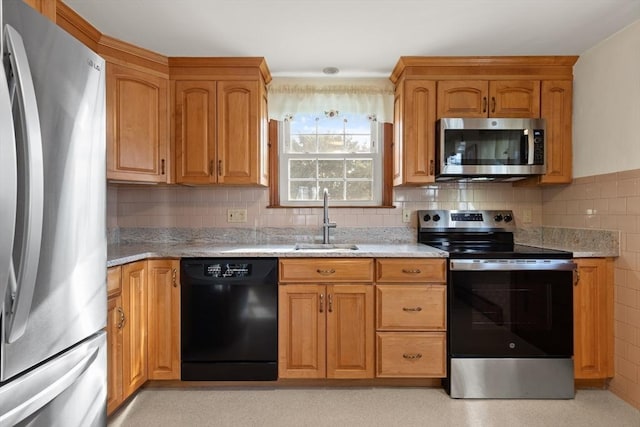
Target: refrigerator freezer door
[[55, 393], [69, 300]]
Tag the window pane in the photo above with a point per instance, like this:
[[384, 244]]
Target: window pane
[[303, 123], [331, 144], [359, 190], [360, 168], [336, 189], [331, 168], [358, 144], [305, 168], [303, 190], [302, 143]]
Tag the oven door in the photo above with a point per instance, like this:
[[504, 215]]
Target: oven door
[[511, 308]]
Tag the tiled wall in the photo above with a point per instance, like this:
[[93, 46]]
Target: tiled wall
[[195, 207], [610, 201]]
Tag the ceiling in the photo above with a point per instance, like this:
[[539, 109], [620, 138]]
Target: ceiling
[[363, 38]]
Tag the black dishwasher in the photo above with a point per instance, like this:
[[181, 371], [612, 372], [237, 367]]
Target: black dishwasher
[[229, 319]]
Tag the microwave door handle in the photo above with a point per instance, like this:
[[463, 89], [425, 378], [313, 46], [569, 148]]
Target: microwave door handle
[[8, 184], [530, 146], [30, 237]]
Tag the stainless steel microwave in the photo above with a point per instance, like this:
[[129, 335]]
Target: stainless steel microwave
[[489, 149]]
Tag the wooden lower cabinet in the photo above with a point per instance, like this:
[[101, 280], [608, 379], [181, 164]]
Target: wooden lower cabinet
[[593, 319], [164, 319], [134, 304], [411, 354], [326, 331], [115, 323], [411, 322]]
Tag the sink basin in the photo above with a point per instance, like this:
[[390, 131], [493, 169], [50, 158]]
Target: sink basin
[[326, 246]]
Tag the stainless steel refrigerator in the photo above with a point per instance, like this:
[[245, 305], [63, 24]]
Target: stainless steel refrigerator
[[52, 225]]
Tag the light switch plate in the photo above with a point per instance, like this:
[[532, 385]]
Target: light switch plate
[[406, 215], [236, 215]]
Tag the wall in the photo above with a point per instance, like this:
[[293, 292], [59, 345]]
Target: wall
[[606, 116], [606, 110]]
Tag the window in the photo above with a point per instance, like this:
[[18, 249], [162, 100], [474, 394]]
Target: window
[[332, 150]]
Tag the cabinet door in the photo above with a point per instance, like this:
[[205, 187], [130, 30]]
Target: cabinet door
[[350, 331], [301, 331], [134, 304], [195, 132], [115, 323], [557, 110], [463, 98], [164, 320], [238, 133], [417, 134], [593, 319], [514, 98], [137, 125]]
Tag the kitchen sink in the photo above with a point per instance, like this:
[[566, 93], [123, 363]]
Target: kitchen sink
[[326, 246]]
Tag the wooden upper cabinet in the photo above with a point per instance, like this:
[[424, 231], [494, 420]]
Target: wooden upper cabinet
[[239, 127], [557, 101], [195, 132], [220, 132], [414, 133], [481, 98], [137, 125]]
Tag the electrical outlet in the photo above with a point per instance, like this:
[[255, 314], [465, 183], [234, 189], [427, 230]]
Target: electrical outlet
[[236, 215], [406, 215], [526, 216]]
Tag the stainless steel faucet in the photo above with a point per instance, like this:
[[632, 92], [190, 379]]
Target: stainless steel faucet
[[326, 225]]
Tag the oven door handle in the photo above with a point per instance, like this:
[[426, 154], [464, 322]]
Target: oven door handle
[[511, 264]]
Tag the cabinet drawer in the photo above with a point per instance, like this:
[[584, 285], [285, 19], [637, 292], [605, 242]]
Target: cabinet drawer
[[411, 307], [330, 270], [411, 355], [114, 280], [410, 270]]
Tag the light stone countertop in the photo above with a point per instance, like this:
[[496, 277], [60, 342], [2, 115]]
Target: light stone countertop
[[125, 253]]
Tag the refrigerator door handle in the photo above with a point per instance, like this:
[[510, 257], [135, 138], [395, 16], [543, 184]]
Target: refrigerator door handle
[[21, 83], [25, 396], [8, 185]]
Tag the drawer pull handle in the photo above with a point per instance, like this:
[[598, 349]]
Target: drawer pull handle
[[326, 272], [412, 308], [415, 356], [411, 270], [321, 303], [122, 320]]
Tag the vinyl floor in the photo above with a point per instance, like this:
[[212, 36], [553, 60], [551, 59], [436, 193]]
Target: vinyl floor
[[371, 407]]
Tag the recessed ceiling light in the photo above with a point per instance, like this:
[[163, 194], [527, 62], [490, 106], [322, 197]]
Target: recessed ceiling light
[[330, 70]]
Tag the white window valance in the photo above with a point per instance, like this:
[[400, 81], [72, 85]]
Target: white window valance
[[287, 96]]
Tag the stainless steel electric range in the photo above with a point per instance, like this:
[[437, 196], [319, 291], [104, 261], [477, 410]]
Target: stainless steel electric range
[[509, 309]]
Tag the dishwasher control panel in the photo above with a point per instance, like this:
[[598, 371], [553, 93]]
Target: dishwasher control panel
[[227, 270]]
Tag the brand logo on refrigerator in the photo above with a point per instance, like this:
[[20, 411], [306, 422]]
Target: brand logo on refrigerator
[[93, 65]]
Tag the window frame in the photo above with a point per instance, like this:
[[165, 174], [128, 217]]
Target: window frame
[[377, 157], [274, 170]]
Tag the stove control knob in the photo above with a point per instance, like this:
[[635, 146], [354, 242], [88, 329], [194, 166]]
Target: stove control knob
[[436, 217], [426, 217], [497, 218], [507, 218]]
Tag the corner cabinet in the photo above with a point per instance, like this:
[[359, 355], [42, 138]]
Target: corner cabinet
[[429, 88], [593, 319], [137, 125], [220, 123], [326, 318]]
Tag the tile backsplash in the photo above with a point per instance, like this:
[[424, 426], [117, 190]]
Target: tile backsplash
[[206, 207]]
